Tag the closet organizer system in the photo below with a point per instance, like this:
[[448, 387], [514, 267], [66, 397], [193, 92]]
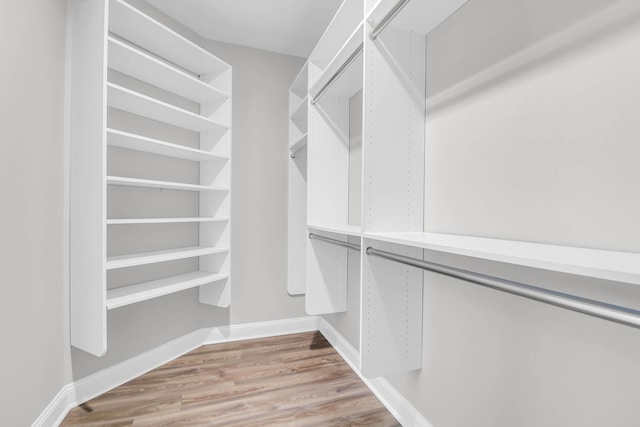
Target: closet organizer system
[[150, 167], [370, 199]]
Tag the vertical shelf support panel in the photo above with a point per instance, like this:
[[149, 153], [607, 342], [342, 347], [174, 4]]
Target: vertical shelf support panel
[[391, 313], [297, 210], [327, 276], [87, 176], [393, 191], [212, 173]]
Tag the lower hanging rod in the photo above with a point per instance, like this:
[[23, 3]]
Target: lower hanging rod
[[295, 153], [335, 242], [602, 310]]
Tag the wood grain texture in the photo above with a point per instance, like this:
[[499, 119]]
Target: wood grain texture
[[291, 380]]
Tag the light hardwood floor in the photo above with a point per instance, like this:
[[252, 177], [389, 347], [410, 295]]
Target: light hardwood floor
[[292, 380]]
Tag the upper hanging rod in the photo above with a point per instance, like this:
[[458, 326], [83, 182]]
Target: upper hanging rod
[[335, 242], [387, 18], [295, 153], [614, 313], [337, 74]]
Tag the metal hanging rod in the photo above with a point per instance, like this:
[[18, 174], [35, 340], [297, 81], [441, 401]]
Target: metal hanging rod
[[614, 313], [295, 153], [337, 74], [335, 242], [387, 19]]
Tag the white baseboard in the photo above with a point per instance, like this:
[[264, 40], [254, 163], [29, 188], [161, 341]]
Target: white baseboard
[[57, 409], [395, 402], [94, 385]]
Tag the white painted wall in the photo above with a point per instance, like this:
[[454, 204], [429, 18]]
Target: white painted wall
[[33, 214]]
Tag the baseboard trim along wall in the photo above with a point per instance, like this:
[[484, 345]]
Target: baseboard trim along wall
[[395, 402], [94, 385]]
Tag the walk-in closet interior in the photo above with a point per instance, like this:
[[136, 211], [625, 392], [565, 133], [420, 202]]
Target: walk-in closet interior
[[425, 211]]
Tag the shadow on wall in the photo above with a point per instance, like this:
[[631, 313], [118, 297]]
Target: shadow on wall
[[514, 41]]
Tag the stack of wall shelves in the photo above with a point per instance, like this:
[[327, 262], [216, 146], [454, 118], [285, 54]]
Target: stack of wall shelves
[[150, 167], [381, 51]]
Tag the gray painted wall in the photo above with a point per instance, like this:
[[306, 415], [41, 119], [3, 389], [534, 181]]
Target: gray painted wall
[[33, 181]]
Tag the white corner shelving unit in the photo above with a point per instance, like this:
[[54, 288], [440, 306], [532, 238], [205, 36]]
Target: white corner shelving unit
[[297, 236], [150, 167]]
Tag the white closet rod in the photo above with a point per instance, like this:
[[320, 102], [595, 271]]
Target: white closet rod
[[335, 242], [602, 310], [387, 19], [337, 74]]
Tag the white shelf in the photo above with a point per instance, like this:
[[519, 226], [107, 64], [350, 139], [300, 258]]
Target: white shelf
[[147, 183], [418, 16], [602, 264], [347, 18], [126, 221], [299, 115], [142, 66], [348, 229], [131, 260], [127, 100], [131, 141], [138, 292], [136, 27], [299, 144], [353, 43]]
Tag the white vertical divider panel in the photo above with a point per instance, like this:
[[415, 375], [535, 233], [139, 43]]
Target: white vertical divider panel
[[391, 310], [87, 175], [393, 184], [297, 224], [328, 200], [297, 209], [216, 204], [327, 276]]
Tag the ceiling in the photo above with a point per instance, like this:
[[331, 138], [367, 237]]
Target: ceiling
[[291, 27]]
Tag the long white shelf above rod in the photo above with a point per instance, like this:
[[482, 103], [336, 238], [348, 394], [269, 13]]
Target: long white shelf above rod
[[129, 221], [144, 291], [614, 313], [131, 24], [148, 183], [143, 258], [141, 65], [142, 105], [601, 264], [117, 138]]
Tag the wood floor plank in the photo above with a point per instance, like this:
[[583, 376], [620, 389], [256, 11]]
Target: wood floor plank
[[291, 380]]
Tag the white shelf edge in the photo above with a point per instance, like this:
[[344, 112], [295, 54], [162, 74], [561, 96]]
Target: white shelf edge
[[144, 291], [300, 107], [134, 25], [124, 99], [348, 48], [117, 138], [143, 258], [350, 230], [134, 62], [598, 263], [127, 221], [148, 183]]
